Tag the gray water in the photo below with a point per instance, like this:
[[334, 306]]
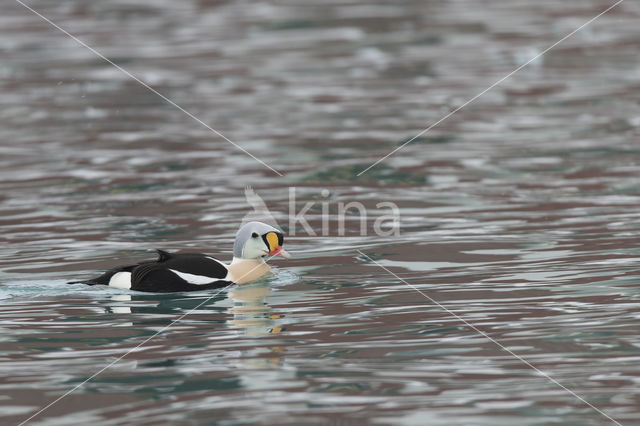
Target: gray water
[[519, 214]]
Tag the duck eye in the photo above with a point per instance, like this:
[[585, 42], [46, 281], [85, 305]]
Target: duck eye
[[254, 235]]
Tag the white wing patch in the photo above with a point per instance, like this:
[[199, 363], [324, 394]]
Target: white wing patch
[[194, 279], [121, 280]]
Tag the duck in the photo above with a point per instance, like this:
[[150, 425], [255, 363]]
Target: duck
[[254, 244]]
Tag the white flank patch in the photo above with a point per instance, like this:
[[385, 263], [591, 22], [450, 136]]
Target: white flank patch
[[192, 278], [121, 280]]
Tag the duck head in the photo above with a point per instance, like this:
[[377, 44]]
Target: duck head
[[256, 240]]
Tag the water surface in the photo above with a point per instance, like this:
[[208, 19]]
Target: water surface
[[519, 214]]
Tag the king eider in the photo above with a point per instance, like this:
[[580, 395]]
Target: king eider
[[195, 271]]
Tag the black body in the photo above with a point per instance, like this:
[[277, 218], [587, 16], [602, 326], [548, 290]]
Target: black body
[[158, 276]]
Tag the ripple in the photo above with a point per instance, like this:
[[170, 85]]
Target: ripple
[[518, 214]]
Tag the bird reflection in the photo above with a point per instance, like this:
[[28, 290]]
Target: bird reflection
[[253, 317], [251, 313], [120, 308]]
